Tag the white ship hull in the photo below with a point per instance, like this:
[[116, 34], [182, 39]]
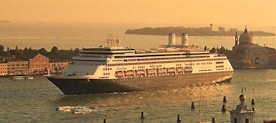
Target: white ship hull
[[120, 69]]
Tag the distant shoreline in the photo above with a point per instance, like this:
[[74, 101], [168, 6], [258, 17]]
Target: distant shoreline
[[201, 31], [200, 35], [5, 21]]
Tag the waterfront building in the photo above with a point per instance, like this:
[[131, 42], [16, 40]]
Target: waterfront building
[[39, 64], [3, 69], [241, 114], [18, 67], [58, 67], [246, 54]]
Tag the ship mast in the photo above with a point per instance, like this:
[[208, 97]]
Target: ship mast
[[111, 42]]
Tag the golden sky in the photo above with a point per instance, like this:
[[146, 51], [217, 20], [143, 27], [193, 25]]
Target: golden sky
[[149, 12]]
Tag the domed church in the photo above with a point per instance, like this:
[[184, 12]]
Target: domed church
[[246, 54]]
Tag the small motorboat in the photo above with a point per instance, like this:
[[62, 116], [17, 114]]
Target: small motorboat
[[29, 78], [22, 78], [64, 108], [18, 77], [75, 109], [82, 110]]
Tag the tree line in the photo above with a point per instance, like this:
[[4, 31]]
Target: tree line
[[54, 54], [201, 31]]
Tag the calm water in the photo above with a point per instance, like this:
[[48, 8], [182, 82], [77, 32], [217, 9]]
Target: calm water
[[36, 100]]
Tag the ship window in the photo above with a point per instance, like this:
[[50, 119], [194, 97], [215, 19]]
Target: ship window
[[106, 73], [178, 64], [219, 62], [188, 64], [220, 66], [107, 68], [209, 62]]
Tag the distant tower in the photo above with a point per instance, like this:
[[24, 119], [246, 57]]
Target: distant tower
[[236, 39], [171, 39], [184, 40], [241, 114]]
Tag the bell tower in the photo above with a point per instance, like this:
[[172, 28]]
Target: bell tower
[[236, 39]]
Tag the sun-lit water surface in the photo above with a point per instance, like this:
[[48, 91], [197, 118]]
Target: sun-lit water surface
[[36, 101]]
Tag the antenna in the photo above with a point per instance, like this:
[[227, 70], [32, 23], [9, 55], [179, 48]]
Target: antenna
[[111, 42], [109, 39]]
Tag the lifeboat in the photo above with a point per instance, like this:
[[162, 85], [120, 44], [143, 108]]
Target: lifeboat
[[161, 70], [64, 108], [151, 71], [119, 73], [129, 72], [179, 69], [140, 72], [188, 69], [170, 70]]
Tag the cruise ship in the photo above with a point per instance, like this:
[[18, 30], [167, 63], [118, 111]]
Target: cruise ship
[[112, 68]]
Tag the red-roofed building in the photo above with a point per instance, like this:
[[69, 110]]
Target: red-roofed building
[[39, 64]]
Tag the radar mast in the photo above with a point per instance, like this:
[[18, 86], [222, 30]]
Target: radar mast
[[111, 41]]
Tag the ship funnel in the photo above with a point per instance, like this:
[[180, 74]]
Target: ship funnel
[[171, 39], [184, 39]]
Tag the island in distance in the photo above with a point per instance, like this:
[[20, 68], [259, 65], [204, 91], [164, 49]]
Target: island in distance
[[201, 31]]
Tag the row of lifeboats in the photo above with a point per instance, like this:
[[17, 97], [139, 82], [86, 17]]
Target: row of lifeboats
[[153, 71]]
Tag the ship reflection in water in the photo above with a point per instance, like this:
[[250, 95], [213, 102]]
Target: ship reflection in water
[[36, 101]]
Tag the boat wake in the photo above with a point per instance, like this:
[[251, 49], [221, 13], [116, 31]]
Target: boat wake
[[76, 109]]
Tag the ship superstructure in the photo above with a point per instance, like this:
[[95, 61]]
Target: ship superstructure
[[112, 68]]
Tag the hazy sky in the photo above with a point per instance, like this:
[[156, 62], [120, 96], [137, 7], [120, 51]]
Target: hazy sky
[[256, 13]]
